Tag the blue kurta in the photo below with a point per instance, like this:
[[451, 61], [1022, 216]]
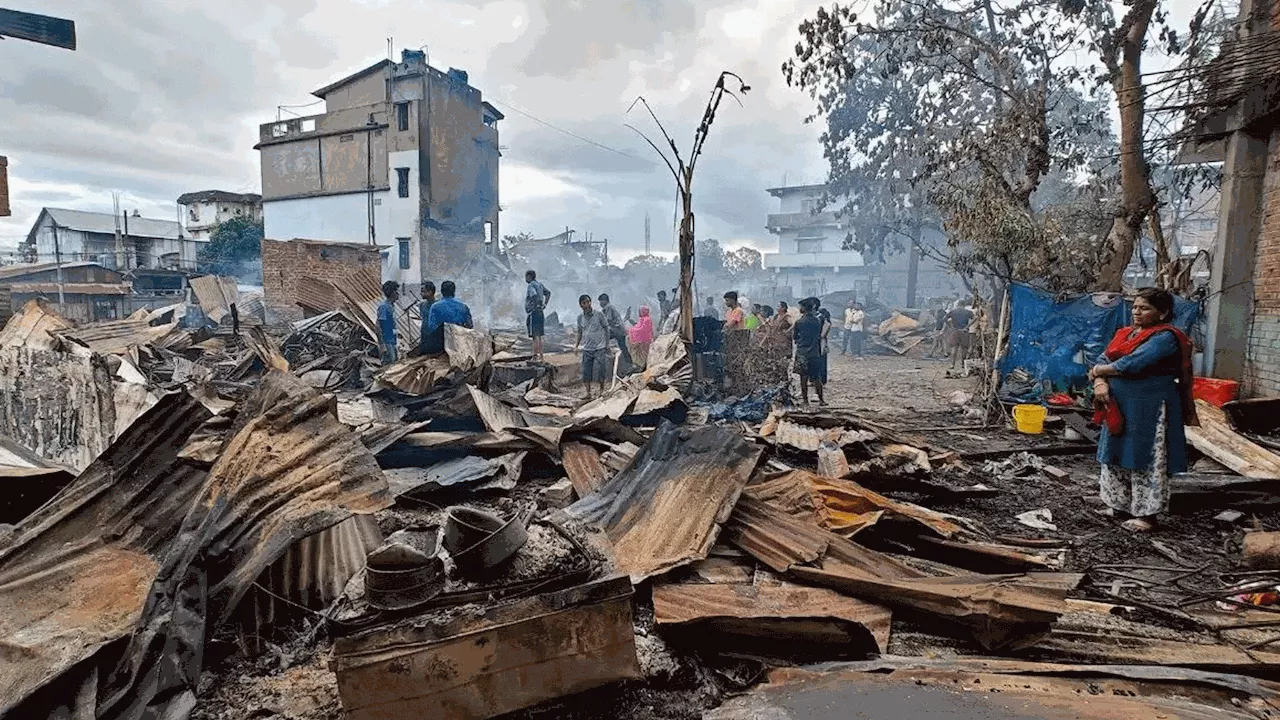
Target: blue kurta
[[1147, 380]]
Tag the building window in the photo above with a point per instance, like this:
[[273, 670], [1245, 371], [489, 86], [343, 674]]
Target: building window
[[809, 245], [309, 125], [402, 181], [404, 252], [809, 206], [402, 116]]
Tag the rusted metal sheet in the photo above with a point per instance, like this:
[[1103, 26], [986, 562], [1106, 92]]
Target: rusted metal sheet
[[847, 507], [582, 466], [467, 351], [999, 609], [776, 614], [772, 536], [317, 294], [916, 687], [33, 327], [216, 295], [512, 656], [77, 573], [50, 288], [665, 510], [497, 416], [810, 437], [125, 550], [117, 337], [472, 471]]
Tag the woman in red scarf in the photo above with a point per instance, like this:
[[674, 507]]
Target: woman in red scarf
[[1142, 396]]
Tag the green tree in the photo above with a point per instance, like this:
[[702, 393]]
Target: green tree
[[234, 249]]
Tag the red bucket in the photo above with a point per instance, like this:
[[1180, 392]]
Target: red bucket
[[1215, 391]]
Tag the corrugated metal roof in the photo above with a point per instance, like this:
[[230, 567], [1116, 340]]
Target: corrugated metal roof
[[111, 543], [582, 466], [218, 196], [216, 295], [679, 604], [13, 271], [116, 336], [665, 510], [774, 537], [96, 222], [53, 288]]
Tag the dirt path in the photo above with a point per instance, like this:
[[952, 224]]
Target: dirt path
[[891, 385]]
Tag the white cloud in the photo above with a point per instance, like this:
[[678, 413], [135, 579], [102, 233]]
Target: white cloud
[[165, 96]]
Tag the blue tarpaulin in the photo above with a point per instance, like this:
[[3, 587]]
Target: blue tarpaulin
[[1059, 341]]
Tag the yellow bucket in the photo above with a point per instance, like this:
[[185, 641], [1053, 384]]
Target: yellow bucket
[[1029, 418]]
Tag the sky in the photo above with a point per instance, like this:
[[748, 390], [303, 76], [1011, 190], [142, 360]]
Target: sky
[[164, 97]]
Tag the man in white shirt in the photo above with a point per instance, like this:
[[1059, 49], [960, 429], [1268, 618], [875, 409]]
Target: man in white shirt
[[854, 329]]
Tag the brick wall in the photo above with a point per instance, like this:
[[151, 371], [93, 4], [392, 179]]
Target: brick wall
[[1262, 364], [285, 261]]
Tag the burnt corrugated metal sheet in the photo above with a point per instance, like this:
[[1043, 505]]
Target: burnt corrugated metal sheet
[[775, 614], [124, 552], [70, 288], [33, 327], [317, 294], [665, 510], [582, 466], [118, 336], [216, 295], [772, 536]]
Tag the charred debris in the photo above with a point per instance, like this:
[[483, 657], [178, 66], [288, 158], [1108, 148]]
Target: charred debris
[[242, 518]]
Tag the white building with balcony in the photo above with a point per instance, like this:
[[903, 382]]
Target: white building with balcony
[[812, 261], [810, 258]]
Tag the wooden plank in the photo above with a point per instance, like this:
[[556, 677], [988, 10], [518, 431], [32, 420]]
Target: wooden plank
[[1216, 439]]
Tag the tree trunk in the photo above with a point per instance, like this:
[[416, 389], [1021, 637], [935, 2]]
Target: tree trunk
[[1124, 59], [687, 250]]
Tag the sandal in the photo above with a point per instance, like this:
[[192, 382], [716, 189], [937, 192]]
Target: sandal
[[1138, 525]]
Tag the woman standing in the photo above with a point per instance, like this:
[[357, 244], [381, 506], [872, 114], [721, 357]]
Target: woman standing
[[1142, 395], [641, 336]]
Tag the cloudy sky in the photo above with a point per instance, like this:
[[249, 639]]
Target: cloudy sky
[[165, 96]]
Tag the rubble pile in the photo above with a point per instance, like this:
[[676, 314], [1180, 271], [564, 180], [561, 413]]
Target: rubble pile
[[457, 536]]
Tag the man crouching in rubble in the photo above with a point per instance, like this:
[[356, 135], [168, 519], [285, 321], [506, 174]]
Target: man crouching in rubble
[[807, 334], [593, 339], [387, 322]]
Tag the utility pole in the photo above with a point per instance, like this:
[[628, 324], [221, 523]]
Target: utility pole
[[115, 204], [684, 186], [57, 259]]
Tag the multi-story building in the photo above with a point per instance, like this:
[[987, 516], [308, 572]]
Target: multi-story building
[[812, 261], [204, 210], [1237, 123], [404, 157], [122, 243]]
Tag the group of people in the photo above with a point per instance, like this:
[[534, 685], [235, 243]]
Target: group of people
[[435, 313]]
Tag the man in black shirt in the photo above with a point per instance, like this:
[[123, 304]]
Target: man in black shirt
[[807, 334], [959, 319]]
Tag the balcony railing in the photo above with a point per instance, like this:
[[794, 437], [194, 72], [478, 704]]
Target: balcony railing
[[841, 259], [781, 221]]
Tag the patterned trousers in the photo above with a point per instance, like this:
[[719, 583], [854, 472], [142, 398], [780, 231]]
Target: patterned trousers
[[1140, 493]]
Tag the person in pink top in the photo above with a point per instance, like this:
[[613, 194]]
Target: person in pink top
[[641, 336]]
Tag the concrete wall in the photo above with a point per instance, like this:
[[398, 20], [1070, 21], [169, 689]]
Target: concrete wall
[[367, 90], [335, 218], [1262, 362], [402, 222], [463, 170], [284, 262]]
